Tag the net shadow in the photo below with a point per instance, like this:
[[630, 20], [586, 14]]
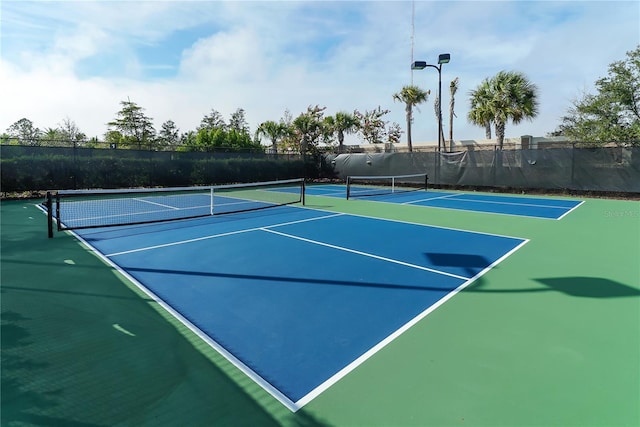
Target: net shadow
[[285, 279]]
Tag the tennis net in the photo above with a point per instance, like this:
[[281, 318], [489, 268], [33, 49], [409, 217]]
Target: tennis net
[[76, 209], [368, 186]]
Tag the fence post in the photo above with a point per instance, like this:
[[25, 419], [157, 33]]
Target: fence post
[[494, 166], [573, 164], [75, 164], [436, 166]]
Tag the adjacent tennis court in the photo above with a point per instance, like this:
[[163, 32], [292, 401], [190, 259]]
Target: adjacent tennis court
[[535, 207], [208, 308]]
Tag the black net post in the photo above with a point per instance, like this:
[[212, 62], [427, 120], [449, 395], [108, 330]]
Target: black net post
[[58, 212], [49, 204]]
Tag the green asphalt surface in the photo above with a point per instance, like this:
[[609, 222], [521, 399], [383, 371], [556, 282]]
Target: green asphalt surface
[[550, 337]]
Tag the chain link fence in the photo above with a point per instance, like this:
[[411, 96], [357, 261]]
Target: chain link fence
[[573, 168], [38, 168], [566, 168]]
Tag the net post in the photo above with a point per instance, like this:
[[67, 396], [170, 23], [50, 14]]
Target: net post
[[302, 193], [58, 212], [426, 181], [211, 202], [348, 188], [49, 204]]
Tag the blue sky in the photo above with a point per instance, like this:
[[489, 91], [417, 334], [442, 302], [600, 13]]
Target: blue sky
[[179, 60]]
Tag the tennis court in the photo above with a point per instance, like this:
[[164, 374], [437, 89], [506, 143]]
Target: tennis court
[[330, 312], [534, 207], [314, 301]]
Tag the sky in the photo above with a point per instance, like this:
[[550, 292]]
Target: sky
[[179, 60]]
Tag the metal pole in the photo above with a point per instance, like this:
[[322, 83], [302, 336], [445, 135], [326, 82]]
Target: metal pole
[[439, 106], [573, 164], [49, 203]]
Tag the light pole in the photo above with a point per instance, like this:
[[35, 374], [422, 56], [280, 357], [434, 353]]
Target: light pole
[[443, 58]]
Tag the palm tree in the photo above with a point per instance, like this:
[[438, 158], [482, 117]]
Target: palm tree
[[342, 123], [52, 137], [436, 107], [510, 96], [480, 113], [274, 131], [308, 127], [453, 88], [411, 95]]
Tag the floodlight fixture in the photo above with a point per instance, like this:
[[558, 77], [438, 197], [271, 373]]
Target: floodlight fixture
[[418, 65], [443, 58]]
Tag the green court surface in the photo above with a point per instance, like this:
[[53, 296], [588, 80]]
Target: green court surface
[[550, 337]]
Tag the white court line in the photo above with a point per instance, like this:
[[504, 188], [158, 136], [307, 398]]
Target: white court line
[[373, 350], [128, 214], [68, 207], [155, 203], [570, 210], [418, 223], [353, 251], [329, 186], [470, 210], [430, 198], [331, 194], [268, 387], [326, 190], [458, 197], [213, 236], [535, 205]]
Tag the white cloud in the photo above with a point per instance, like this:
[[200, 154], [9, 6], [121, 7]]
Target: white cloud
[[224, 57], [266, 57]]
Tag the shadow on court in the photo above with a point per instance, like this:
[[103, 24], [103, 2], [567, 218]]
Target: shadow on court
[[81, 348], [591, 287], [472, 264], [284, 279], [584, 287]]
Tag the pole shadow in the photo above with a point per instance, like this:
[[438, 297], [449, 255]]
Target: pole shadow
[[589, 287], [471, 264]]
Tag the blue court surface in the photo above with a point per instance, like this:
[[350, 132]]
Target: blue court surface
[[295, 297], [534, 207]]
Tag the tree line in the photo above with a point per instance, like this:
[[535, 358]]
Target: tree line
[[133, 129], [612, 115]]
